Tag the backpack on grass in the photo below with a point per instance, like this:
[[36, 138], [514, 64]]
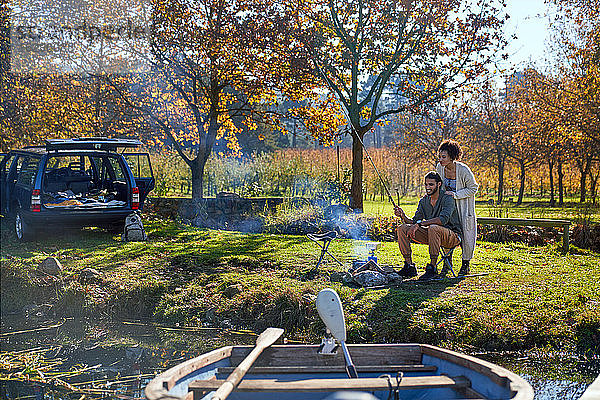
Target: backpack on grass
[[134, 229]]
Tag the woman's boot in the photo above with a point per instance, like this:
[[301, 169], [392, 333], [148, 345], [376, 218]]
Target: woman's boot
[[464, 269]]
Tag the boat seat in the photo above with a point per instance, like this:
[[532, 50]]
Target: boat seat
[[333, 369], [332, 385]]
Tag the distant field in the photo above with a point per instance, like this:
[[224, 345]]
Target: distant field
[[573, 211]]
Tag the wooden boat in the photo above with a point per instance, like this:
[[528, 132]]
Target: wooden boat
[[593, 391], [286, 372]]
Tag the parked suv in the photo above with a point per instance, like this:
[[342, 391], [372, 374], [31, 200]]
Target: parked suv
[[73, 183]]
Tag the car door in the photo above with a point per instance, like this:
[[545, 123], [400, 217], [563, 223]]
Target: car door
[[141, 168], [13, 167], [25, 178], [4, 168]]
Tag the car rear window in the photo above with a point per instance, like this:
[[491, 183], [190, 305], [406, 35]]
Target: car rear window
[[106, 167]]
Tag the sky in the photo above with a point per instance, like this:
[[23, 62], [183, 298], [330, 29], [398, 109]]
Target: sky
[[528, 20]]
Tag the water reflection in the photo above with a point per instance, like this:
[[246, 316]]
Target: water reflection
[[101, 361], [553, 375], [115, 361]]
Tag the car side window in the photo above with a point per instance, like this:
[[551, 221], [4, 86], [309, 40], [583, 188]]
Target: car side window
[[28, 171], [139, 164]]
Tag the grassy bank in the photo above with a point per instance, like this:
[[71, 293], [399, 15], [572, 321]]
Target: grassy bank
[[532, 297]]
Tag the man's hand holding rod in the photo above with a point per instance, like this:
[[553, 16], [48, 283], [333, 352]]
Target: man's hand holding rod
[[400, 213]]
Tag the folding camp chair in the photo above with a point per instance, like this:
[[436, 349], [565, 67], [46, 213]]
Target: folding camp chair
[[324, 240], [446, 259]]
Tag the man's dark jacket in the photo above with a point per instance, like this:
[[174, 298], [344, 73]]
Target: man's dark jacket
[[445, 209]]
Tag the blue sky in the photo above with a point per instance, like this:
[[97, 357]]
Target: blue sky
[[528, 20]]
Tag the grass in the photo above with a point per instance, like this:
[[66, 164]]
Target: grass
[[532, 297]]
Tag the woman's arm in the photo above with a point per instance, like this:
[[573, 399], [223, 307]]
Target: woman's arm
[[468, 179]]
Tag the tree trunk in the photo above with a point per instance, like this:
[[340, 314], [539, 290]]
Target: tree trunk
[[356, 195], [551, 176], [593, 185], [584, 170], [97, 107], [561, 187], [582, 187], [521, 182], [294, 136], [204, 148], [198, 177], [500, 166]]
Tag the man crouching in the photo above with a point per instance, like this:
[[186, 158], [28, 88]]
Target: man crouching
[[435, 223]]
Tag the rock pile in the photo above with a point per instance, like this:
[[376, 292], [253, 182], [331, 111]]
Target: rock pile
[[367, 274]]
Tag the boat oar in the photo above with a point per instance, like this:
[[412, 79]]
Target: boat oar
[[264, 340], [330, 310]]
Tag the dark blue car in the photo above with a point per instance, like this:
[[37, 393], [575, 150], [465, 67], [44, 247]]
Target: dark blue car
[[73, 183]]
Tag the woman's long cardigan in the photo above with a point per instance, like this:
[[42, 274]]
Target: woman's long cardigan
[[466, 187]]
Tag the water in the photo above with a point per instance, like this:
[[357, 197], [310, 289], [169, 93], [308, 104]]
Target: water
[[553, 375], [115, 361]]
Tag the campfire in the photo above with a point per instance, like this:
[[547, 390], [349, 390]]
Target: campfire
[[363, 272]]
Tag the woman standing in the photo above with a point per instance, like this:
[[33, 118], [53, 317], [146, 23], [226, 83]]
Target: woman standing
[[459, 181]]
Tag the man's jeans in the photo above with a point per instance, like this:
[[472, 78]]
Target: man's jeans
[[435, 235]]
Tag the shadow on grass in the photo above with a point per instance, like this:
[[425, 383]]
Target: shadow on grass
[[54, 238], [399, 315], [220, 251]]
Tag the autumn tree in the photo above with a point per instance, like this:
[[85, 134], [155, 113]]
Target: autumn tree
[[486, 127], [218, 68], [422, 134], [540, 99], [409, 53], [43, 98], [576, 108]]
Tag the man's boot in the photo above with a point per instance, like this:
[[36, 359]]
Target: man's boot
[[430, 273], [408, 271], [464, 269]]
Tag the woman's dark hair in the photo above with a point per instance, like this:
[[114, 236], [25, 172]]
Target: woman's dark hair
[[452, 148], [433, 175]]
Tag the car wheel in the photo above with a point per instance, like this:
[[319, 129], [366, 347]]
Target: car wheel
[[23, 231]]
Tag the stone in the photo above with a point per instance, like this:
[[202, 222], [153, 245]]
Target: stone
[[232, 290], [393, 277], [226, 324], [227, 195], [342, 277], [370, 278], [37, 311], [89, 274], [210, 314], [134, 353], [51, 266], [388, 269]]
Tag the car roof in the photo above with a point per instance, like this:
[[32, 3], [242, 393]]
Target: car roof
[[91, 143], [82, 144]]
